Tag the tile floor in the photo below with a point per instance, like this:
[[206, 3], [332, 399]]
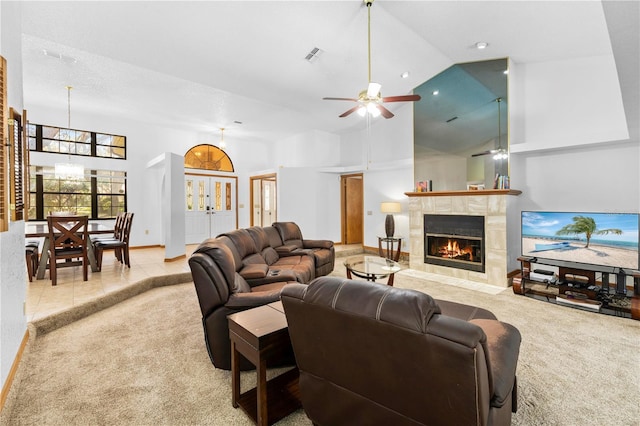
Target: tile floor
[[43, 299]]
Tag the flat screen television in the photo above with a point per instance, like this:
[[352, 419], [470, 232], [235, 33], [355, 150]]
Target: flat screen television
[[601, 239]]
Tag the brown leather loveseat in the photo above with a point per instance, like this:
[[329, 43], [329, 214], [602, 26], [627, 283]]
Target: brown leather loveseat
[[240, 270], [378, 355]]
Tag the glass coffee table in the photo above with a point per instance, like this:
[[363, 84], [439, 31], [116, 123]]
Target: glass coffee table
[[371, 268]]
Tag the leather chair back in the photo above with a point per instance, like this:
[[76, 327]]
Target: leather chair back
[[374, 354]]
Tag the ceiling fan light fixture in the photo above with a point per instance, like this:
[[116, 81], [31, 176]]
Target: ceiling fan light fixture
[[373, 90], [372, 109], [369, 100]]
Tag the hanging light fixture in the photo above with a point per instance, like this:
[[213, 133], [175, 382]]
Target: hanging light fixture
[[501, 153], [222, 144], [69, 170]]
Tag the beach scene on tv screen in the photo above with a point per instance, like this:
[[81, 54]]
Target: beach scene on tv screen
[[608, 239]]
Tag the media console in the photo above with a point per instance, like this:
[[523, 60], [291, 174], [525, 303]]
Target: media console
[[578, 287]]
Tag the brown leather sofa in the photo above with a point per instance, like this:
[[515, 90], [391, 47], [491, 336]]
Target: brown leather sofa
[[378, 355], [240, 270]]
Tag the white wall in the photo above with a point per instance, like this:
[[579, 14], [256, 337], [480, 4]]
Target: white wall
[[12, 268], [570, 149], [384, 153], [567, 103]]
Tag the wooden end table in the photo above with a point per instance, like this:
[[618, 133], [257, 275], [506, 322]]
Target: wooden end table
[[390, 253], [261, 335]]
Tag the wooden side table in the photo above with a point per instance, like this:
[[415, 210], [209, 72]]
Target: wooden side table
[[389, 243], [261, 335]]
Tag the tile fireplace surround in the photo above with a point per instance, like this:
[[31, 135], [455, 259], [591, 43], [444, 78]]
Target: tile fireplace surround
[[492, 204]]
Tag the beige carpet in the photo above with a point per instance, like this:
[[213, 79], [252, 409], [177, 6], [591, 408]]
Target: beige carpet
[[143, 362]]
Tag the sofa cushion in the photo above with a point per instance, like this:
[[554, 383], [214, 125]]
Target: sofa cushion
[[243, 242], [290, 233], [275, 240], [301, 266], [270, 255], [240, 285]]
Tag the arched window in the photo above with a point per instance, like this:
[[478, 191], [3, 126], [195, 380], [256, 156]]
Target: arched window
[[207, 157]]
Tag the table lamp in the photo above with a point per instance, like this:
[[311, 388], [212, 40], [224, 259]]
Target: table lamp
[[390, 207]]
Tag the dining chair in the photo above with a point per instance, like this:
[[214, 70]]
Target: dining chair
[[68, 237], [120, 245], [118, 226], [32, 257]]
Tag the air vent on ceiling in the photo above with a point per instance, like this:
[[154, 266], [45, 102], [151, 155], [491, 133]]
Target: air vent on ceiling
[[314, 54], [59, 56]]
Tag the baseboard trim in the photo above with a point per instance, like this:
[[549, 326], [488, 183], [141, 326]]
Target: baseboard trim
[[173, 259], [14, 368]]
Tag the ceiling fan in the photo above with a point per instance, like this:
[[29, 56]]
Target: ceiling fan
[[370, 100], [500, 153]]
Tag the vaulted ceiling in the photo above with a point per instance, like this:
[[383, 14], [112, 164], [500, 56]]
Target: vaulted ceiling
[[205, 65]]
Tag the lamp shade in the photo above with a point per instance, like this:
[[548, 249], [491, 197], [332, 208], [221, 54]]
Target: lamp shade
[[390, 207]]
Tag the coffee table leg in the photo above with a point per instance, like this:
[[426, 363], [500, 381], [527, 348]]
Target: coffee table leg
[[390, 280], [261, 387], [235, 375], [348, 273]]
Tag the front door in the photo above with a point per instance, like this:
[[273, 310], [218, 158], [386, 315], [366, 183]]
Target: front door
[[210, 206]]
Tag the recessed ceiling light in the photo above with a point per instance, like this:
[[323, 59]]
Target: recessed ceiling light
[[405, 74], [481, 45], [435, 92]]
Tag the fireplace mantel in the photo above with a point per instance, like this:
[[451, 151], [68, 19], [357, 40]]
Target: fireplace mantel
[[462, 193]]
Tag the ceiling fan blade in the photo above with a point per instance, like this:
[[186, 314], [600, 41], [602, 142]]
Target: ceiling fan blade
[[348, 112], [405, 98], [340, 99], [385, 112], [491, 151]]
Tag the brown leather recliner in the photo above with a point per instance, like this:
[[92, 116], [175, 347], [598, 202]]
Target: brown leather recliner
[[322, 250], [222, 291], [378, 355]]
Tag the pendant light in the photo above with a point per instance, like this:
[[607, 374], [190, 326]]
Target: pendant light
[[69, 170], [501, 153], [222, 144]]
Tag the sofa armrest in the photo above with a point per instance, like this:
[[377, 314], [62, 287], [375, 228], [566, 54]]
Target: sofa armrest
[[322, 244], [286, 250], [274, 277], [254, 270], [241, 301], [503, 345]]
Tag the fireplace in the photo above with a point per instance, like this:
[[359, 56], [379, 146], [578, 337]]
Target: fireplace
[[455, 241]]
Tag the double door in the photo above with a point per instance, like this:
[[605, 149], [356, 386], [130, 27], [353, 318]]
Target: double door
[[211, 206]]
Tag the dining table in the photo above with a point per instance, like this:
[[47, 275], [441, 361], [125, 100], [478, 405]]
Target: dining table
[[41, 230]]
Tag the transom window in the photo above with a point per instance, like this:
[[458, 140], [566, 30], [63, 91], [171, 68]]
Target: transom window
[[76, 142]]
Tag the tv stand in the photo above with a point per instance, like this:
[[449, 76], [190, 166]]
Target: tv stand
[[578, 287]]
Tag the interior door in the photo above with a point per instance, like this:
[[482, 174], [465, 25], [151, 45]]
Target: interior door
[[210, 207], [263, 200], [268, 205], [352, 209]]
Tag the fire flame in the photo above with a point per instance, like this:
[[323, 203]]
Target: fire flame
[[453, 250]]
